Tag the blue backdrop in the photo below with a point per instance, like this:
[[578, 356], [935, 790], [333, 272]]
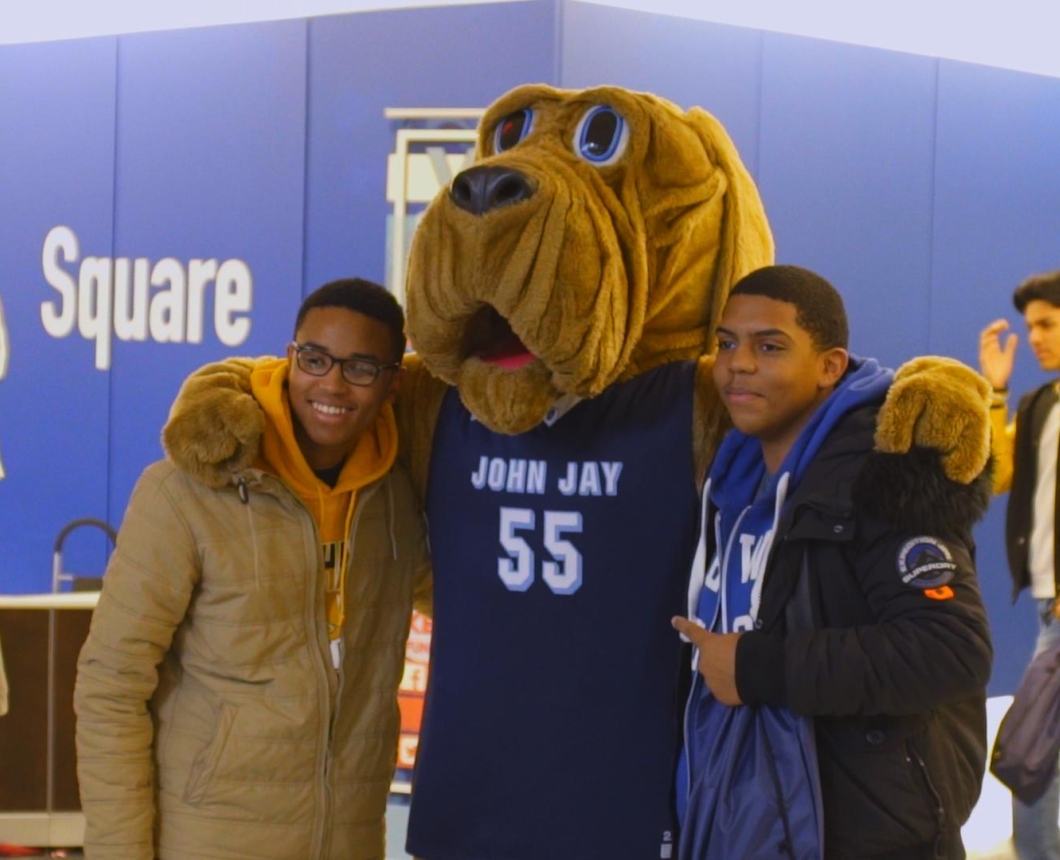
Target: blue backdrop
[[206, 179]]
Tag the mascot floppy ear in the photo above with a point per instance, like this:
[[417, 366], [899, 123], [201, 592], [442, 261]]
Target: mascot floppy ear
[[704, 227], [745, 240]]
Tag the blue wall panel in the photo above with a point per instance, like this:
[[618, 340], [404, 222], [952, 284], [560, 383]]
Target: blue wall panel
[[211, 152], [997, 220], [463, 56], [56, 169], [997, 210], [846, 161], [688, 62]]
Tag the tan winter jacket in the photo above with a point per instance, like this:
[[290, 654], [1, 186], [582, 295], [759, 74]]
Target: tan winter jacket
[[211, 723]]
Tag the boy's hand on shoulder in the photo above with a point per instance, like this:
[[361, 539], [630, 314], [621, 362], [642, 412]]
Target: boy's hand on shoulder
[[717, 658]]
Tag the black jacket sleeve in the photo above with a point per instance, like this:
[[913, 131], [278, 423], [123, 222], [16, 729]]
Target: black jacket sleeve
[[927, 646], [902, 629]]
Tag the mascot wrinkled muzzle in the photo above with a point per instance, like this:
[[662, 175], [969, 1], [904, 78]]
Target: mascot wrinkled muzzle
[[584, 246]]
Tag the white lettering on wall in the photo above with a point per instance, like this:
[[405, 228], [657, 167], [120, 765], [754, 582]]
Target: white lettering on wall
[[130, 301], [59, 322], [234, 295], [133, 299]]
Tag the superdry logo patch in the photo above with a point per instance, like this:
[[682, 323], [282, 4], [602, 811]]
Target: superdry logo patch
[[925, 562]]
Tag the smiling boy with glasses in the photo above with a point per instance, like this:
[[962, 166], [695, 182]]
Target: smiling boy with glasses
[[237, 693]]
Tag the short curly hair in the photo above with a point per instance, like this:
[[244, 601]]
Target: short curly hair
[[819, 308], [1044, 287], [363, 297]]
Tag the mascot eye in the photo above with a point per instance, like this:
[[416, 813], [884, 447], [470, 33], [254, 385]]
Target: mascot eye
[[512, 129], [601, 136]]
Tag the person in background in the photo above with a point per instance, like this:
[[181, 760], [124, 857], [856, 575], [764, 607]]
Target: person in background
[[841, 641], [236, 695], [1025, 452]]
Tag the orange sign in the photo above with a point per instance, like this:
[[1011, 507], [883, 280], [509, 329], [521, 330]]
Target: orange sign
[[413, 686]]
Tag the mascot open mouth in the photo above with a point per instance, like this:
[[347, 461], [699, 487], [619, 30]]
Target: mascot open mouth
[[489, 337]]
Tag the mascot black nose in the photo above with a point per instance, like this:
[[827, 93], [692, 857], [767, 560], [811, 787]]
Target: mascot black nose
[[479, 190]]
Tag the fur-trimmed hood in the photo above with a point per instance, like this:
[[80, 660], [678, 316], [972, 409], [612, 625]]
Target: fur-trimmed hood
[[912, 491], [909, 491]]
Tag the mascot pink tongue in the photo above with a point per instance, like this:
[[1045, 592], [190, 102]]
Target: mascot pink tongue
[[490, 339], [509, 355]]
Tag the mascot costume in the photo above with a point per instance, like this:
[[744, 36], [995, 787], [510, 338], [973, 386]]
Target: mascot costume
[[558, 418]]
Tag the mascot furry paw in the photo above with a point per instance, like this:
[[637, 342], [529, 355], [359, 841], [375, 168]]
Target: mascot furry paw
[[558, 418]]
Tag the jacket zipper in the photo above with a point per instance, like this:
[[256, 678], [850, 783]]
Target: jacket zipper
[[321, 838], [323, 667], [726, 557], [939, 810], [367, 493]]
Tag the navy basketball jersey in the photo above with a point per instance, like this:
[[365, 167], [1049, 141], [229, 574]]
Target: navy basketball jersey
[[552, 725]]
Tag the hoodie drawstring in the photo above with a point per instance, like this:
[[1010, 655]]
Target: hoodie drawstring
[[344, 556], [756, 590], [700, 561], [391, 517]]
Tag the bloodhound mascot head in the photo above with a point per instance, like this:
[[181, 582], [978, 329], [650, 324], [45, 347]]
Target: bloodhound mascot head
[[596, 237]]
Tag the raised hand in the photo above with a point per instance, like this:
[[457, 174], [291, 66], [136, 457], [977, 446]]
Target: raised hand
[[995, 360]]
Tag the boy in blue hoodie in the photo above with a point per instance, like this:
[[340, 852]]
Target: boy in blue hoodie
[[841, 646]]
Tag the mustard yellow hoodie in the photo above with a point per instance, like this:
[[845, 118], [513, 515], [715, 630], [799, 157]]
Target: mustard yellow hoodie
[[331, 507]]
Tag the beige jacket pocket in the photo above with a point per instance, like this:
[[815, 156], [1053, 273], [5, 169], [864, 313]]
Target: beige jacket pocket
[[205, 765]]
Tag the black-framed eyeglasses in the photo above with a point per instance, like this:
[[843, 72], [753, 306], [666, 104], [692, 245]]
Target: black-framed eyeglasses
[[356, 371]]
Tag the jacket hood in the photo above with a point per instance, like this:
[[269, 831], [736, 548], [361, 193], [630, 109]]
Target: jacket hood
[[912, 491]]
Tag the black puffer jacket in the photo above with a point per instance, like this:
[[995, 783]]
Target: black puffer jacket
[[896, 664]]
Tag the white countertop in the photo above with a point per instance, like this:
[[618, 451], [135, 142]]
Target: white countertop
[[66, 600]]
